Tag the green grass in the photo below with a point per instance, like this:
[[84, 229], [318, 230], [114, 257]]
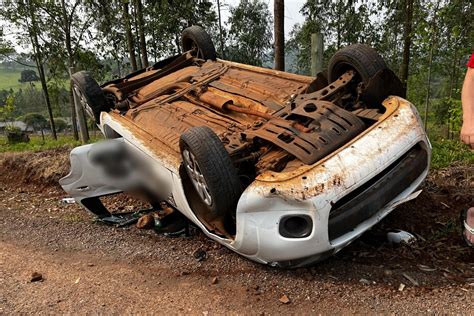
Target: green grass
[[9, 80], [36, 143], [448, 151], [445, 151]]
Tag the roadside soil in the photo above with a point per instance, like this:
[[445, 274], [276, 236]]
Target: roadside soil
[[88, 267]]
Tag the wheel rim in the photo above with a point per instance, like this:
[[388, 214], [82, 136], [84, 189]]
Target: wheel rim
[[197, 178], [195, 48], [83, 101]]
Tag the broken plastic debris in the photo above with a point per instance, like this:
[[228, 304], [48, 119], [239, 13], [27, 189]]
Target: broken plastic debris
[[68, 200], [401, 287], [400, 236]]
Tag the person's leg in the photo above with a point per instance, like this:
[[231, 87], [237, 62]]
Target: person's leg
[[468, 227]]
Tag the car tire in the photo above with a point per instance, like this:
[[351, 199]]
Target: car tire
[[210, 170], [195, 38], [362, 58], [89, 94]]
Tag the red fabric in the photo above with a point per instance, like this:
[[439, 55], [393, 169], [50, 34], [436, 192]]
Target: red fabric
[[470, 63]]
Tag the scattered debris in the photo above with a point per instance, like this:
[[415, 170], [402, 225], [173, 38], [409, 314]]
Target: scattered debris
[[426, 268], [364, 281], [284, 299], [200, 254], [77, 280], [68, 200], [401, 287], [412, 280], [146, 222], [215, 280], [400, 236], [35, 277]]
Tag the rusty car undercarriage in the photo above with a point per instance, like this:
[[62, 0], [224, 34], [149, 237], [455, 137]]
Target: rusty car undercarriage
[[266, 119]]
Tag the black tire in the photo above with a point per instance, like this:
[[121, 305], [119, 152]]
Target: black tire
[[196, 39], [214, 164], [362, 58], [90, 94]]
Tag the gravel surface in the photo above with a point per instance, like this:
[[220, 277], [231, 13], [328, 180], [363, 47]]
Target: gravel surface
[[87, 267]]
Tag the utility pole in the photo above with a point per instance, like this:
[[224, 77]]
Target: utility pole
[[279, 33], [220, 29], [317, 48]]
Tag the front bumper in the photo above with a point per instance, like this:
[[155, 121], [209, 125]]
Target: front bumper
[[345, 194]]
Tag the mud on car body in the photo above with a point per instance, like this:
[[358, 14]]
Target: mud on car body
[[282, 168]]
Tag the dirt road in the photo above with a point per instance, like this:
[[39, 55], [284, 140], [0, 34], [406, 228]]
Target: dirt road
[[88, 267]]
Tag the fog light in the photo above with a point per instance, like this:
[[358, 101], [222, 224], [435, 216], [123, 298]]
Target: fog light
[[296, 226]]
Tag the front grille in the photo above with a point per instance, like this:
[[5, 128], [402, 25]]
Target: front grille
[[365, 201]]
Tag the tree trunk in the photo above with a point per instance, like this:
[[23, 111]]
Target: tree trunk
[[450, 95], [39, 65], [141, 32], [408, 13], [279, 33], [83, 133], [129, 36], [428, 88], [220, 29], [155, 48], [72, 106]]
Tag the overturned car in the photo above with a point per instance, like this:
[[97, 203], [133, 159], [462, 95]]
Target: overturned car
[[283, 169]]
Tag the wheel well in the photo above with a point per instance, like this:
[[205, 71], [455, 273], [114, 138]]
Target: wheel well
[[110, 133]]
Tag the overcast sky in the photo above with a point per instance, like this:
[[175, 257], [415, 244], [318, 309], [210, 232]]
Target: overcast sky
[[292, 11]]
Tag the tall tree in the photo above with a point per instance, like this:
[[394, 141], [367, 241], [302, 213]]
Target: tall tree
[[141, 32], [66, 39], [129, 35], [23, 15], [407, 40], [341, 23], [279, 33], [250, 34], [169, 18]]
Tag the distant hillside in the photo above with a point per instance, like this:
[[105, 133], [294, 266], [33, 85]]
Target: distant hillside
[[9, 79]]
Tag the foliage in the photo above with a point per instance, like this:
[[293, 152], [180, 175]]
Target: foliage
[[60, 124], [35, 121], [37, 144], [12, 129], [28, 75], [455, 115], [341, 23], [250, 34], [90, 34], [7, 109]]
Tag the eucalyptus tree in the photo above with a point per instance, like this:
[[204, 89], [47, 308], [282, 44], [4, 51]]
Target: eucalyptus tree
[[24, 16], [167, 19], [69, 24], [341, 23], [250, 32]]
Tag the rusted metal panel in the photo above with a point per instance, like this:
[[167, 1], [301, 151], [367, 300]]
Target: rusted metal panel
[[263, 104]]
